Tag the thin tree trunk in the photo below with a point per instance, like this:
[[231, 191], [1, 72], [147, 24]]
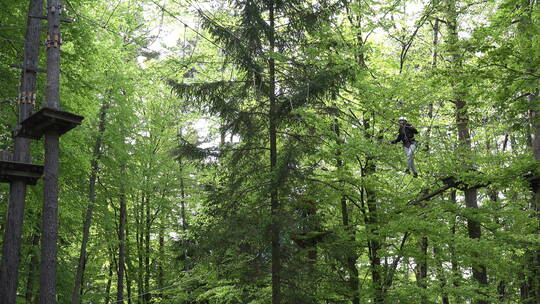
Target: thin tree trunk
[[32, 269], [121, 242], [11, 248], [422, 268], [109, 281], [372, 227], [274, 200], [352, 257], [456, 273], [148, 221], [422, 262], [161, 250], [184, 220], [140, 257], [129, 265], [440, 275], [96, 155]]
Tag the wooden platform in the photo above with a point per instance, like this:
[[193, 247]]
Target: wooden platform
[[48, 119], [17, 171]]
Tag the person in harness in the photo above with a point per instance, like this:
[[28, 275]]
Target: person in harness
[[406, 136]]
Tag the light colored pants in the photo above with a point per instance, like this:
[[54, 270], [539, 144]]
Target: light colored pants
[[410, 156]]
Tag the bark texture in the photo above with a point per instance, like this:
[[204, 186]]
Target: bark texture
[[274, 199], [49, 237], [462, 123], [121, 246], [17, 192]]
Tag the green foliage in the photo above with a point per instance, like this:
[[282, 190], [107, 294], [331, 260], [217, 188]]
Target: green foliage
[[187, 144]]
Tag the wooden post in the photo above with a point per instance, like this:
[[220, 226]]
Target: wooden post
[[47, 291], [17, 191]]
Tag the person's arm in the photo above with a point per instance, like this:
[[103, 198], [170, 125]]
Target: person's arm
[[400, 137]]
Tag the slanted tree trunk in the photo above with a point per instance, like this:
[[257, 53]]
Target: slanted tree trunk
[[96, 155], [462, 122]]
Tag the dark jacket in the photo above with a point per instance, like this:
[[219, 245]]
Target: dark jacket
[[406, 135]]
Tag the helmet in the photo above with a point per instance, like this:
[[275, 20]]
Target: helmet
[[402, 118]]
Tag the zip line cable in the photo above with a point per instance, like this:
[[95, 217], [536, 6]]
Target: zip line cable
[[209, 16], [449, 126]]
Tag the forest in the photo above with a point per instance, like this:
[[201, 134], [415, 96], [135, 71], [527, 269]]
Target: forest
[[270, 151]]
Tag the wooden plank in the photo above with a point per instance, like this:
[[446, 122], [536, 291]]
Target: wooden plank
[[5, 155], [12, 171], [48, 119]]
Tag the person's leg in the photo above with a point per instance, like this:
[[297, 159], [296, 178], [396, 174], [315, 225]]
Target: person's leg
[[407, 151], [411, 164]]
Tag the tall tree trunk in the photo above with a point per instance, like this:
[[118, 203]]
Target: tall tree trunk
[[129, 265], [526, 27], [456, 272], [94, 165], [49, 229], [274, 200], [121, 242], [535, 259], [161, 262], [462, 122], [352, 256], [148, 221], [11, 248], [422, 268], [140, 257], [109, 280], [422, 262], [185, 244], [372, 225]]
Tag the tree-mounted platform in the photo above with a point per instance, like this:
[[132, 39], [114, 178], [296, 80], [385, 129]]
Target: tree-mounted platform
[[46, 120], [11, 171]]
